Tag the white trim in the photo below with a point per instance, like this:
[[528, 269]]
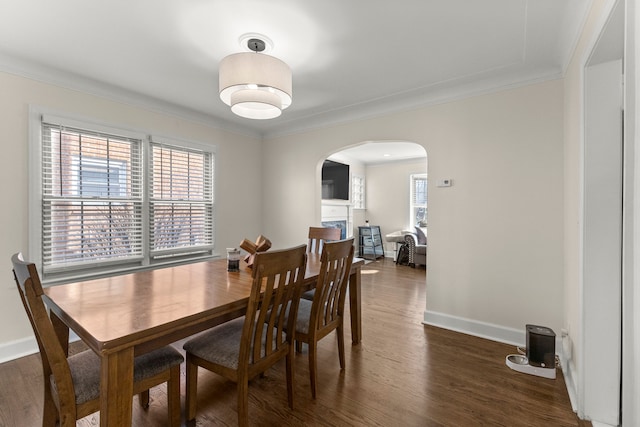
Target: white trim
[[19, 348], [89, 125], [66, 80], [501, 334], [183, 143], [484, 330], [570, 375], [579, 372], [397, 103], [476, 328], [35, 186], [598, 424], [16, 349]]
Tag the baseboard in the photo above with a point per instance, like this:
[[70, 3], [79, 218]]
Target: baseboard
[[24, 347], [501, 334], [489, 331], [569, 373], [18, 348], [473, 327]]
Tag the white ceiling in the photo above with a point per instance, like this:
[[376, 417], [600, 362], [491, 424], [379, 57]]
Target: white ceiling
[[371, 153], [350, 59]]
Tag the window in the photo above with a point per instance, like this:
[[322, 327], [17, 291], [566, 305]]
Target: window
[[418, 200], [357, 192], [99, 177], [104, 208], [181, 200], [91, 197]]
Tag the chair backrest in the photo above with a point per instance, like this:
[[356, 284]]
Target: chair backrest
[[330, 293], [54, 358], [277, 280], [318, 236]]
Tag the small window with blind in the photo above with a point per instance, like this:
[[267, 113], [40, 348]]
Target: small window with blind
[[103, 208], [358, 192], [181, 200], [418, 207]]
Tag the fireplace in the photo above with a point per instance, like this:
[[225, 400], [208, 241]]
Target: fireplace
[[341, 224], [337, 216]]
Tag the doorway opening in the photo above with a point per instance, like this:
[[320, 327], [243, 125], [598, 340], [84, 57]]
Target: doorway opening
[[383, 175], [599, 397]]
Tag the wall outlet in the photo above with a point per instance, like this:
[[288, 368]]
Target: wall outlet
[[445, 182]]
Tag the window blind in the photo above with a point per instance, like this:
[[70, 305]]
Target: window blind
[[181, 200], [91, 197], [358, 192], [418, 199], [419, 190]]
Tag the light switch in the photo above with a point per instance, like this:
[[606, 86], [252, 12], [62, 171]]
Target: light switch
[[445, 182]]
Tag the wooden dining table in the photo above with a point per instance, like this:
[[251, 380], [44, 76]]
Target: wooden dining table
[[124, 316]]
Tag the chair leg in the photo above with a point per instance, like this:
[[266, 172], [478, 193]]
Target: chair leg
[[290, 376], [173, 396], [313, 363], [143, 398], [243, 402], [340, 334], [191, 388], [298, 346], [50, 415]]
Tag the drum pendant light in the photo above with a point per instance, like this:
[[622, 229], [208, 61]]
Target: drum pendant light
[[255, 85]]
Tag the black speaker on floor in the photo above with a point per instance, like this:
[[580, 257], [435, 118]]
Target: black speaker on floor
[[541, 346]]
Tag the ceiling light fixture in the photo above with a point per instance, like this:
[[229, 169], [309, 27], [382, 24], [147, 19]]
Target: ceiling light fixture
[[255, 85]]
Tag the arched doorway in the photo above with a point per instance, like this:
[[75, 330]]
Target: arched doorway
[[382, 174]]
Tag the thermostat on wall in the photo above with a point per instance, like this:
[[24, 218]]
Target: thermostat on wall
[[446, 182]]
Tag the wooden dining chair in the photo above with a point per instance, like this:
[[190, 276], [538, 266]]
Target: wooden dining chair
[[72, 385], [325, 313], [245, 347], [318, 236]]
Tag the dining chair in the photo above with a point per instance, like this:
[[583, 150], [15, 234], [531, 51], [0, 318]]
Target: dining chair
[[318, 236], [245, 347], [72, 384], [325, 313]]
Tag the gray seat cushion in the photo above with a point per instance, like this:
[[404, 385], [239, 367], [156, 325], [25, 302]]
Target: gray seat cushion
[[220, 345], [85, 370], [304, 313], [308, 295]]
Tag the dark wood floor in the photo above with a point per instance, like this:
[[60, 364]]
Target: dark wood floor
[[402, 374]]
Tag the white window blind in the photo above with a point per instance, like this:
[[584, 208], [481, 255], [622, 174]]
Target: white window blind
[[109, 200], [358, 192], [418, 199], [181, 200], [91, 197]]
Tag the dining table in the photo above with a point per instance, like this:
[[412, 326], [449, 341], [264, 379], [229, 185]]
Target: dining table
[[123, 316]]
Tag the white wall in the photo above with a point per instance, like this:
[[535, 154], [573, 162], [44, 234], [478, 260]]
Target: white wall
[[238, 175], [495, 236]]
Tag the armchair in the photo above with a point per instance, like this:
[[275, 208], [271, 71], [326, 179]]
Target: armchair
[[417, 243]]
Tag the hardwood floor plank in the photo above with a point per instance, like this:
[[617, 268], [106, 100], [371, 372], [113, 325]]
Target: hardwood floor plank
[[403, 373]]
